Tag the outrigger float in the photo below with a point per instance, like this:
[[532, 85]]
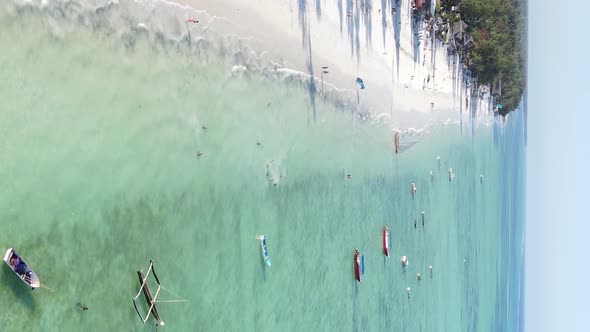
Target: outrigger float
[[386, 241], [150, 300]]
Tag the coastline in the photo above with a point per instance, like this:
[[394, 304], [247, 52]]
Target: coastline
[[252, 37], [365, 48]]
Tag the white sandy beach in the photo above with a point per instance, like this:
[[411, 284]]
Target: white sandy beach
[[306, 35], [408, 84]]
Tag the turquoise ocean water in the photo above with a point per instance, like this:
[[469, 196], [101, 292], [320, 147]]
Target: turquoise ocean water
[[99, 173]]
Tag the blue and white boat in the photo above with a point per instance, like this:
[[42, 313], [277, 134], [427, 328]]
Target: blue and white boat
[[265, 255]]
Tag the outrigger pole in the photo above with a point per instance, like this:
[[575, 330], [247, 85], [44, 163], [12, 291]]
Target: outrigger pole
[[151, 301]]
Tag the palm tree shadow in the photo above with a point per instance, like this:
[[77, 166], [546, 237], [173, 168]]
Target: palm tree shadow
[[397, 22], [23, 293], [306, 43]]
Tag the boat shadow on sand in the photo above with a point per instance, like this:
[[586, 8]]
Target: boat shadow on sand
[[23, 293]]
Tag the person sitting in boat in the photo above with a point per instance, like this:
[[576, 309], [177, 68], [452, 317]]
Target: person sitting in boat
[[15, 261], [19, 266]]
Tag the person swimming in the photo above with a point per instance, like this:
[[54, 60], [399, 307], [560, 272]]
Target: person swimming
[[405, 261], [414, 189]]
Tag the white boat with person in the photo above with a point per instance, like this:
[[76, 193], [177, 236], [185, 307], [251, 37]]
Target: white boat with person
[[21, 269]]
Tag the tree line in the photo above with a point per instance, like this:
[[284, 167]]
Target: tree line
[[498, 54]]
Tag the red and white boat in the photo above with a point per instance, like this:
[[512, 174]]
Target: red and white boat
[[386, 241], [357, 265]]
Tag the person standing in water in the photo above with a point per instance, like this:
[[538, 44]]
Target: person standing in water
[[422, 218]]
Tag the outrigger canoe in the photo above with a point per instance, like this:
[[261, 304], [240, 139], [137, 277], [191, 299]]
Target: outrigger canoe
[[21, 269], [357, 265], [386, 241], [265, 255]]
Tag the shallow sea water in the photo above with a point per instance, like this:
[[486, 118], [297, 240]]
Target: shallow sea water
[[100, 173]]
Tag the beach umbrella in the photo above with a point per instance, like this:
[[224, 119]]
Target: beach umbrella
[[360, 82]]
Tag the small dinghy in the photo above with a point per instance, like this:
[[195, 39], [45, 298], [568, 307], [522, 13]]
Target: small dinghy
[[265, 255], [386, 241], [21, 269], [357, 265]]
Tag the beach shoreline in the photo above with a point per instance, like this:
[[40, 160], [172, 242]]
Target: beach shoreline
[[294, 36], [409, 84]]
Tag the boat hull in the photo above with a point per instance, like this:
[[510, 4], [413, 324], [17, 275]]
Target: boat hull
[[386, 241], [21, 269], [357, 266], [265, 255]]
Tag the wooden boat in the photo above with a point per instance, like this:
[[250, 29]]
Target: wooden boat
[[265, 255], [150, 299], [386, 241], [357, 265], [21, 269]]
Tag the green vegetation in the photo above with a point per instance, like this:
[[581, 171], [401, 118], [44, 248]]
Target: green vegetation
[[498, 54]]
